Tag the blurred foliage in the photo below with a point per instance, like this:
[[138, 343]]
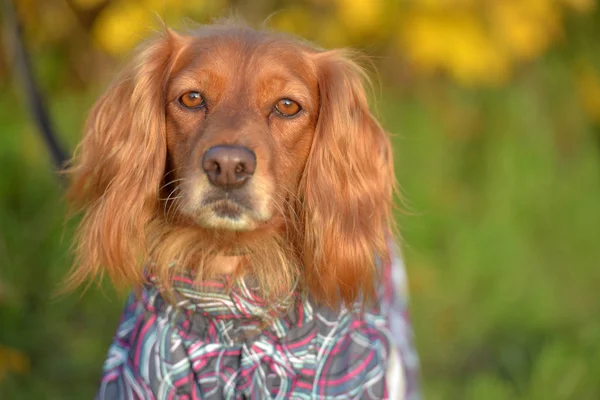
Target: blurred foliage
[[474, 41], [496, 106]]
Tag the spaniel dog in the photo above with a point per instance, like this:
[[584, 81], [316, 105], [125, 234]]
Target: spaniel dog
[[238, 181]]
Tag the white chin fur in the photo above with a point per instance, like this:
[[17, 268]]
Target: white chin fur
[[241, 223]]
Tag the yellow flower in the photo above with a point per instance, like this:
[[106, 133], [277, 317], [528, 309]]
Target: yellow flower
[[525, 27], [122, 25], [480, 42], [456, 43], [361, 15], [439, 5]]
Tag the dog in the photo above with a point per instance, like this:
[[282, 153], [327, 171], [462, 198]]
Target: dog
[[237, 179]]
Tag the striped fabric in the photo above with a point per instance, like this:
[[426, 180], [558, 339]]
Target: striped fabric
[[210, 345]]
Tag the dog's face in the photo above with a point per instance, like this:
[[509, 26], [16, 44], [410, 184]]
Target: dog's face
[[240, 120], [229, 138]]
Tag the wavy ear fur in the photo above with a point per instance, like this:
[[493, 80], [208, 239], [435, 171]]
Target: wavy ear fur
[[119, 167], [346, 188]]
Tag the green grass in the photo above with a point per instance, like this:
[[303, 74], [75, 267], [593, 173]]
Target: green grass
[[502, 243], [501, 240]]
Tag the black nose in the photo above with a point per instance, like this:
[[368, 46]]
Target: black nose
[[229, 166]]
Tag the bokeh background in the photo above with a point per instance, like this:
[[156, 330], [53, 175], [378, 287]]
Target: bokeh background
[[496, 109]]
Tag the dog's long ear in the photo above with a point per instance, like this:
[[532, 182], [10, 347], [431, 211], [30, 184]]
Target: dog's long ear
[[119, 166], [346, 188]]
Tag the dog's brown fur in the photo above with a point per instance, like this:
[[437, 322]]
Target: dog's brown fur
[[318, 208]]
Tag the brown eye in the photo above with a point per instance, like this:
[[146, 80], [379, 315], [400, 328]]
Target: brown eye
[[287, 107], [192, 100]]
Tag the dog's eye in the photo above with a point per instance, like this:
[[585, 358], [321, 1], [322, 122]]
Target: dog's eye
[[192, 100], [287, 107]]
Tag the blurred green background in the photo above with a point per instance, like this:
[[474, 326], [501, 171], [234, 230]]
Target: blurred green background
[[496, 109]]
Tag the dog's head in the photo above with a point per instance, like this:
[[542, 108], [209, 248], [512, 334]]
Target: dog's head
[[229, 137]]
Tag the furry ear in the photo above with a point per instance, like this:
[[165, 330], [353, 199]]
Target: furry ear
[[119, 166], [346, 189]]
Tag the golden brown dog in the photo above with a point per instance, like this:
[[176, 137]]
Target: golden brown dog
[[234, 141], [245, 156]]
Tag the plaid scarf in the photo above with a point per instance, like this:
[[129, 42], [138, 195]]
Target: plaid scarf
[[215, 344]]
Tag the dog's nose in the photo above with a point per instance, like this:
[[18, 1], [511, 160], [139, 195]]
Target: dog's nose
[[229, 166]]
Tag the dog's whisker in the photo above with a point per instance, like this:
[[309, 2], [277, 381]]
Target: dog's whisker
[[166, 201], [171, 182], [170, 198], [171, 171], [287, 203]]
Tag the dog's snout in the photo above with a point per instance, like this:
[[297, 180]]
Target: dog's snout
[[229, 166]]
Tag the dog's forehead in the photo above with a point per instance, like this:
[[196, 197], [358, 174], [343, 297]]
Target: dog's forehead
[[247, 54]]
